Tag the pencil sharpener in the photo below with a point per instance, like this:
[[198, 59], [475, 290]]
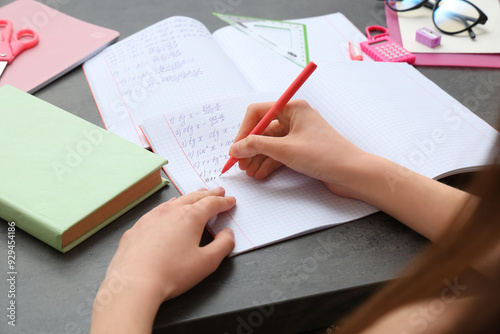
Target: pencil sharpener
[[428, 37]]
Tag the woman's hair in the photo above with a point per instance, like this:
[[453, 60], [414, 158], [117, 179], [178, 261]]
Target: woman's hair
[[447, 264]]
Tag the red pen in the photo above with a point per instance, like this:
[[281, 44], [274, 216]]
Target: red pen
[[276, 108]]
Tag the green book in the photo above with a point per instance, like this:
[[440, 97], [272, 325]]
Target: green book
[[62, 178]]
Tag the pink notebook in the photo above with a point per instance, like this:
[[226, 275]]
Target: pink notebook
[[441, 59], [65, 43]]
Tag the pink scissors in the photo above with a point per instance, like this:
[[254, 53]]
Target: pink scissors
[[12, 46]]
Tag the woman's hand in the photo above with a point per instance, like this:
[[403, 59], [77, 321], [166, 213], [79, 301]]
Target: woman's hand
[[160, 258], [301, 139]]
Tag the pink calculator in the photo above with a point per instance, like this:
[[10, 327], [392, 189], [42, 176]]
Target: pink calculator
[[383, 48]]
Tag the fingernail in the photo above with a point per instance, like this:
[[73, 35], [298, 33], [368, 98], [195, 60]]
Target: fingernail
[[234, 150], [231, 232], [202, 189], [219, 190]]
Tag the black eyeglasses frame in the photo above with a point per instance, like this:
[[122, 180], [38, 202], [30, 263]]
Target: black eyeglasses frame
[[428, 4]]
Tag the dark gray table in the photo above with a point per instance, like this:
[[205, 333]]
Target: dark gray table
[[301, 284]]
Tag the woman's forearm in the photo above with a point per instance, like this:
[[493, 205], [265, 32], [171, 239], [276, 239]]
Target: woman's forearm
[[423, 204], [122, 307]]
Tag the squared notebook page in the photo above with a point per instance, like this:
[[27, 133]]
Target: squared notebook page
[[392, 110], [388, 109], [196, 141], [169, 65], [328, 39], [385, 108]]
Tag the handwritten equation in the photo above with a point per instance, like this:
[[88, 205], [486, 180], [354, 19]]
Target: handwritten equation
[[204, 136]]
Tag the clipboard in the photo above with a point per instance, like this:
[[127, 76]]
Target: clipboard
[[441, 59]]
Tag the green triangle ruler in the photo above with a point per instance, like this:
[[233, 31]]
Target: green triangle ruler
[[286, 38]]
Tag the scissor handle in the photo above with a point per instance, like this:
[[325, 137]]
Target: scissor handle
[[6, 32], [11, 46], [369, 29], [5, 50], [23, 39]]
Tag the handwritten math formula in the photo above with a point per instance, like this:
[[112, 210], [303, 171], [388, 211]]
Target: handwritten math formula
[[156, 56], [165, 68]]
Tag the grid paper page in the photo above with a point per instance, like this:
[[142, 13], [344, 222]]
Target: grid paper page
[[284, 205], [391, 110], [328, 38], [196, 141], [175, 62]]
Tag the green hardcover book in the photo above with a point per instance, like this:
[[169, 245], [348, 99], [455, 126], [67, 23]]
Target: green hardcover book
[[62, 178]]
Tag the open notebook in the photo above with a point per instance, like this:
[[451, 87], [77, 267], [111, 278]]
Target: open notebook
[[190, 90], [178, 61], [388, 109]]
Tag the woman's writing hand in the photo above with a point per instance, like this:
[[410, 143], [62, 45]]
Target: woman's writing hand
[[301, 139]]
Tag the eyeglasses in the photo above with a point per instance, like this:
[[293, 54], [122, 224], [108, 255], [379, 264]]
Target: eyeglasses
[[450, 16]]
